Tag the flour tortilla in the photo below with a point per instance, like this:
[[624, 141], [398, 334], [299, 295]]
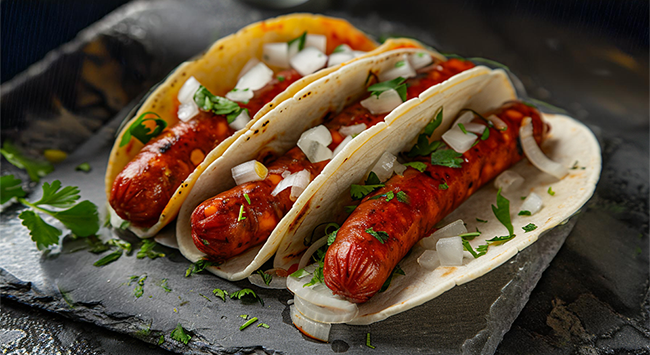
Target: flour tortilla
[[217, 69]]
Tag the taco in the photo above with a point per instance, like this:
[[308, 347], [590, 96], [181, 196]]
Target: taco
[[381, 261], [201, 108], [286, 157]]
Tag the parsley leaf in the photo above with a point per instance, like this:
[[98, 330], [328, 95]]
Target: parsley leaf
[[267, 278], [524, 213], [85, 167], [179, 334], [109, 258], [146, 250], [82, 219], [402, 197], [42, 233], [318, 275], [331, 237], [360, 191], [198, 266], [419, 166], [10, 187], [396, 271], [529, 227], [447, 157], [220, 293], [36, 169], [382, 237], [217, 104], [140, 131], [502, 212], [246, 292], [56, 196], [397, 84]]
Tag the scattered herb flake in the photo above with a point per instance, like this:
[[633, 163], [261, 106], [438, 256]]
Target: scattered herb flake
[[550, 191], [417, 165], [501, 239], [481, 220], [220, 293], [139, 287], [368, 341], [523, 198], [350, 209], [470, 235], [246, 292], [109, 258], [381, 236], [372, 179], [396, 271], [146, 250], [360, 191], [198, 267], [248, 199], [263, 325], [218, 105], [241, 214], [402, 197], [423, 147], [249, 322], [462, 128], [300, 273], [468, 247], [161, 340], [267, 278], [524, 213], [331, 237], [301, 41], [443, 186], [486, 134], [85, 167], [179, 334], [206, 297], [400, 63], [164, 286], [529, 227], [280, 78], [502, 212]]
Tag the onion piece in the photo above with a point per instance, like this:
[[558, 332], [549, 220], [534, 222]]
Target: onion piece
[[354, 129], [450, 251], [247, 67], [317, 152], [384, 166], [338, 58], [323, 314], [316, 330], [304, 260], [319, 134], [240, 95], [453, 229], [296, 179], [508, 181], [532, 203], [256, 78], [300, 184], [313, 142], [342, 48], [316, 41], [474, 128], [277, 282], [459, 141], [308, 61], [399, 168], [429, 260], [465, 118], [318, 294], [341, 145], [498, 123], [187, 91], [386, 102], [240, 121], [251, 170], [402, 68], [420, 60], [535, 154], [276, 54], [187, 110]]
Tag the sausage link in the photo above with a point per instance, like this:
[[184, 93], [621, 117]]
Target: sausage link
[[143, 188], [357, 264], [219, 227]]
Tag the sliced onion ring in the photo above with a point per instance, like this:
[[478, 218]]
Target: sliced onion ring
[[323, 314], [251, 170], [535, 154], [498, 123], [312, 329]]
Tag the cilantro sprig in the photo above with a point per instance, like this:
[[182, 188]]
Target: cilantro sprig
[[217, 104], [381, 236], [398, 84], [180, 334], [371, 184], [140, 131]]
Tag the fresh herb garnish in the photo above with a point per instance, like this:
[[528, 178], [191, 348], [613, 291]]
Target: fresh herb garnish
[[360, 191], [85, 167], [524, 213], [389, 196], [396, 271], [139, 287], [146, 250], [263, 325], [443, 186], [249, 322], [10, 187], [179, 334], [218, 105], [486, 134], [423, 147], [198, 267], [468, 247], [301, 41], [502, 212], [109, 258], [206, 297], [481, 220], [300, 273], [419, 166], [462, 128], [246, 293], [523, 198], [368, 341], [267, 278], [402, 197], [331, 237], [248, 199], [350, 209], [447, 157], [550, 191], [161, 340], [339, 48], [470, 235], [165, 287], [500, 240], [140, 131], [280, 78], [529, 227], [396, 84], [381, 236], [241, 214], [36, 169], [220, 293], [400, 63]]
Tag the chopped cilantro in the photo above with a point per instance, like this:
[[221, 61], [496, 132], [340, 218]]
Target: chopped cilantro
[[10, 187], [381, 236], [419, 166], [179, 334], [400, 63], [481, 220], [402, 197], [529, 227], [470, 235], [263, 325], [109, 258], [85, 167], [139, 287], [161, 340], [246, 292], [502, 212], [248, 199], [300, 273], [36, 169], [339, 48], [317, 276], [206, 297], [280, 78], [423, 147], [447, 157], [301, 41], [435, 122], [462, 128], [389, 196], [220, 293], [331, 237], [198, 266], [575, 165], [267, 278], [249, 322], [524, 213], [468, 247], [396, 271], [146, 250], [372, 179], [368, 341], [550, 191], [360, 191], [241, 214], [523, 198], [140, 131], [397, 84], [500, 240], [443, 186], [350, 209], [164, 286], [218, 105], [486, 134]]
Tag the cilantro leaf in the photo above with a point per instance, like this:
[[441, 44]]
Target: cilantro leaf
[[502, 212], [447, 157], [396, 271], [435, 122], [82, 219], [419, 166], [267, 278], [501, 239], [397, 84], [339, 48], [381, 236], [402, 197], [179, 334], [468, 247], [246, 292], [423, 147], [220, 293], [36, 169], [141, 132], [350, 209], [146, 250], [217, 104], [109, 258], [443, 186], [301, 41], [372, 179], [524, 213], [318, 275], [462, 128], [529, 227], [10, 187], [56, 196], [360, 191], [85, 167], [42, 233], [198, 266], [481, 220], [280, 78], [331, 237], [486, 134]]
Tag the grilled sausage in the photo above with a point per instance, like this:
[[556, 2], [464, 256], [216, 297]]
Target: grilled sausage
[[357, 264], [146, 184], [216, 230]]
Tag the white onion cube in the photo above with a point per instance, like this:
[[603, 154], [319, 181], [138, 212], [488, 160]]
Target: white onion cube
[[402, 68], [308, 61], [256, 78], [240, 121], [187, 91], [317, 41], [276, 54], [532, 203], [354, 129], [318, 134], [453, 229], [420, 60], [465, 118], [240, 95], [300, 179], [475, 128], [187, 110], [508, 181], [386, 102], [429, 260], [459, 141], [317, 152], [450, 251], [338, 58], [248, 66], [384, 166]]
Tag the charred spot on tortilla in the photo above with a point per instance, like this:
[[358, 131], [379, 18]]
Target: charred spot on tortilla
[[300, 216]]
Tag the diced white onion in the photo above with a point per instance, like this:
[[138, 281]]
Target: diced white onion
[[475, 128], [300, 183], [342, 145], [251, 170], [317, 41], [318, 294], [313, 142], [294, 48], [343, 48], [285, 173], [420, 60], [187, 91], [429, 260], [354, 129], [318, 134], [532, 203], [240, 121], [317, 152], [465, 118], [453, 229], [384, 166], [308, 61], [498, 123], [535, 154], [323, 314], [450, 251], [508, 181], [277, 282], [399, 168], [316, 330], [386, 102], [240, 95], [338, 58], [405, 70], [276, 54], [296, 179], [459, 141], [187, 110], [304, 260], [255, 78], [248, 66]]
